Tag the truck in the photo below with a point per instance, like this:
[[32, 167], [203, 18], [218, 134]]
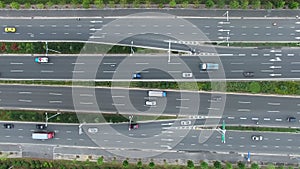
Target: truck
[[209, 66], [152, 93], [42, 135]]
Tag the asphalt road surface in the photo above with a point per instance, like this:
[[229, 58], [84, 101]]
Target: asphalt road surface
[[113, 29], [234, 109], [266, 64], [168, 136]]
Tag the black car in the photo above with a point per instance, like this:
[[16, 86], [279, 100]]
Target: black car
[[248, 74], [41, 126], [134, 126], [291, 119], [8, 126]]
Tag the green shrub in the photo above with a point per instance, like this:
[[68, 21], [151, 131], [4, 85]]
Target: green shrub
[[244, 4], [27, 5], [220, 3], [209, 4], [234, 4], [256, 4], [172, 3], [15, 5], [293, 5], [255, 87]]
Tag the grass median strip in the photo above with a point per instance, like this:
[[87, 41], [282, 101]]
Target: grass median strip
[[70, 117], [271, 129], [264, 87]]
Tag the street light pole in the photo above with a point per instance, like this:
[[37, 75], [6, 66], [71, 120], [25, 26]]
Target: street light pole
[[169, 51], [48, 118], [130, 119], [131, 49]]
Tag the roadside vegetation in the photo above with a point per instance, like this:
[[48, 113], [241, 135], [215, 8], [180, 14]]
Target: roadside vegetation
[[271, 129], [231, 4], [255, 87], [101, 163], [66, 48], [71, 117]]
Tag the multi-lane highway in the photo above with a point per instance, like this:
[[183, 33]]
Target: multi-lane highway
[[266, 64], [113, 29], [169, 136], [235, 109]]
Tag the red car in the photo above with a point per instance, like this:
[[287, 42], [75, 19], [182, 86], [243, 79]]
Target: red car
[[134, 126]]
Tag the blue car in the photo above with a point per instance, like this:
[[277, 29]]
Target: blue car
[[137, 76]]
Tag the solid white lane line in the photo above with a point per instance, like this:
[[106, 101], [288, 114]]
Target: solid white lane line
[[55, 101], [117, 96], [22, 100], [16, 71], [183, 99], [81, 63], [174, 71], [240, 63], [181, 107], [86, 103], [47, 71], [247, 110], [16, 63], [118, 104], [236, 71], [273, 111], [294, 63], [25, 92], [243, 102], [77, 71], [274, 104], [143, 63], [56, 94], [86, 95], [109, 71]]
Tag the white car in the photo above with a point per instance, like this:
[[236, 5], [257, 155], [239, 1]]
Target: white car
[[187, 75], [93, 130], [185, 123], [256, 138], [150, 103], [41, 60]]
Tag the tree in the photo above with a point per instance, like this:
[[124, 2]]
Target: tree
[[185, 4], [27, 5], [256, 4], [228, 165], [190, 164], [111, 3], [220, 3], [172, 3], [254, 166], [270, 166], [40, 6], [86, 4], [204, 165], [2, 5], [196, 3], [136, 3], [139, 164], [123, 3], [15, 5], [254, 87], [151, 165], [209, 3], [293, 5], [279, 4], [125, 164], [50, 4], [99, 3], [217, 165], [234, 4], [244, 4], [74, 3], [269, 5], [100, 161], [241, 165]]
